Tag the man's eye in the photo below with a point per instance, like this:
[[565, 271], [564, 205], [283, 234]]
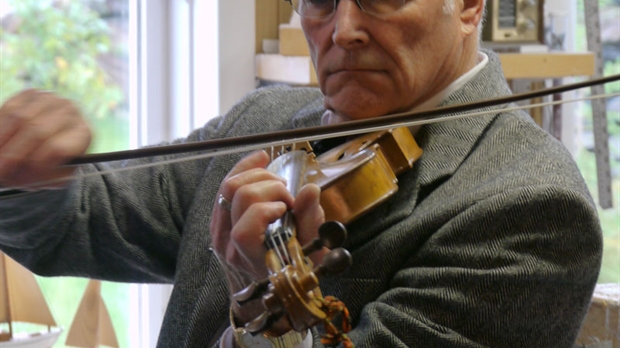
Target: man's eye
[[319, 3]]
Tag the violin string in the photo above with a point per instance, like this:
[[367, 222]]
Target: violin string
[[276, 237], [247, 148], [282, 245], [276, 247]]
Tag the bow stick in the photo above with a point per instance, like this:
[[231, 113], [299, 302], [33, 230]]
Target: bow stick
[[333, 130]]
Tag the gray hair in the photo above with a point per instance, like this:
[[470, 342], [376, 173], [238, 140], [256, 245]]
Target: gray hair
[[449, 6]]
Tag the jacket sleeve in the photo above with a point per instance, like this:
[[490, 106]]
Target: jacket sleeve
[[128, 225], [516, 269], [122, 226]]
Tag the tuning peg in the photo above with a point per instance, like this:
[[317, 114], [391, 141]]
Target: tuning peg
[[251, 292], [266, 319], [335, 262], [332, 234]]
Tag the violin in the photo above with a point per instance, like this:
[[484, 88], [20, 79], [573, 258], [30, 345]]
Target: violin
[[354, 178]]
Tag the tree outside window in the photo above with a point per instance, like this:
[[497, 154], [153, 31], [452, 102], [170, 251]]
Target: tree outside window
[[610, 218], [78, 49]]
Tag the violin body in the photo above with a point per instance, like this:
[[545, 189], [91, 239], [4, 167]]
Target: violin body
[[368, 168]]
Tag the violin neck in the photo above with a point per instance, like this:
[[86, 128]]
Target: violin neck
[[292, 167]]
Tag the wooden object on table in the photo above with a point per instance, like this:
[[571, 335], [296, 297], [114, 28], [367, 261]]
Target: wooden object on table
[[21, 300], [92, 326], [547, 65], [296, 71], [292, 41], [601, 327], [269, 15]]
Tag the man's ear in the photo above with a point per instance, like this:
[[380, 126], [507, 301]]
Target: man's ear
[[472, 12]]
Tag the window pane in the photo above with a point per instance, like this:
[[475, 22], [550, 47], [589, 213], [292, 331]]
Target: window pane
[[78, 49], [610, 219]]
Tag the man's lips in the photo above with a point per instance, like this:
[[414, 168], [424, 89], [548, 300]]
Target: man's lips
[[353, 71]]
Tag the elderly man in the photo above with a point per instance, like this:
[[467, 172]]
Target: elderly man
[[492, 239]]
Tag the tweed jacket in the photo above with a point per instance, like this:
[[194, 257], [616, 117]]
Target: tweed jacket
[[492, 239]]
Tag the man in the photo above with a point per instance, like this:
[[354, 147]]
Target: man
[[491, 241]]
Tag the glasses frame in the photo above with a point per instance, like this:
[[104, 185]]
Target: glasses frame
[[335, 6]]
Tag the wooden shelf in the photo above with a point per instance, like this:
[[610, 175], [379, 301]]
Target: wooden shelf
[[547, 65], [298, 70]]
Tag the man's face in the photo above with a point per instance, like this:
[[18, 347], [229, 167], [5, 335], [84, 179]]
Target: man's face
[[369, 66]]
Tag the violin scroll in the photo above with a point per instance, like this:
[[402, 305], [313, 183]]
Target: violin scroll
[[292, 290]]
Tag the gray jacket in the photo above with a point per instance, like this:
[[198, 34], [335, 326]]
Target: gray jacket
[[491, 241]]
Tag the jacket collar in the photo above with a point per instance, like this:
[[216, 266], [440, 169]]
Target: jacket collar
[[447, 144]]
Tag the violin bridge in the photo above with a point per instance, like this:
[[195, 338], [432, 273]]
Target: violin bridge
[[277, 151]]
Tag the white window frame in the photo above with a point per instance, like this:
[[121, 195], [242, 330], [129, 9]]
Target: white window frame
[[187, 66]]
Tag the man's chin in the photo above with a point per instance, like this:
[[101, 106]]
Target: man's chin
[[355, 111], [357, 102]]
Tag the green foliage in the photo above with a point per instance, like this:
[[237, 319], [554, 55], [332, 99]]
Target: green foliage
[[55, 46], [612, 68], [610, 219]]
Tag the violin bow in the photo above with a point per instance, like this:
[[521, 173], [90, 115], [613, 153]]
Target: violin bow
[[338, 129], [214, 147]]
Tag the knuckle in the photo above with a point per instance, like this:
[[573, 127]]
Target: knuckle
[[231, 185], [247, 194], [36, 131]]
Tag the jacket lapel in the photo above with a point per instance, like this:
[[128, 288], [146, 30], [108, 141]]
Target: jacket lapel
[[446, 145]]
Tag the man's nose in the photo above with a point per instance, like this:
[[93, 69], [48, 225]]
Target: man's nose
[[350, 25]]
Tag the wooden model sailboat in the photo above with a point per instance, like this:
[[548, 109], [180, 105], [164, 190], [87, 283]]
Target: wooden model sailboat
[[21, 300], [91, 325]]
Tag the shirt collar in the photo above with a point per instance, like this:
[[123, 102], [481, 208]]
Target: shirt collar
[[435, 100]]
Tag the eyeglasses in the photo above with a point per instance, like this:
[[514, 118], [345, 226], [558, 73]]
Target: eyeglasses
[[324, 8]]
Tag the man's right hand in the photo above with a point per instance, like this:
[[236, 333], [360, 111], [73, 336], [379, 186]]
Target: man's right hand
[[39, 132]]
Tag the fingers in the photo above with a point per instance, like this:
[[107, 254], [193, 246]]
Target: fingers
[[308, 212], [309, 216], [39, 132], [256, 159], [258, 198], [260, 187], [246, 184], [249, 170], [261, 199], [247, 249]]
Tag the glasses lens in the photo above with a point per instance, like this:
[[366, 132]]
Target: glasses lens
[[314, 8], [381, 6], [324, 8]]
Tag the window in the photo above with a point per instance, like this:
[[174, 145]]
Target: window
[[610, 219], [78, 49]]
